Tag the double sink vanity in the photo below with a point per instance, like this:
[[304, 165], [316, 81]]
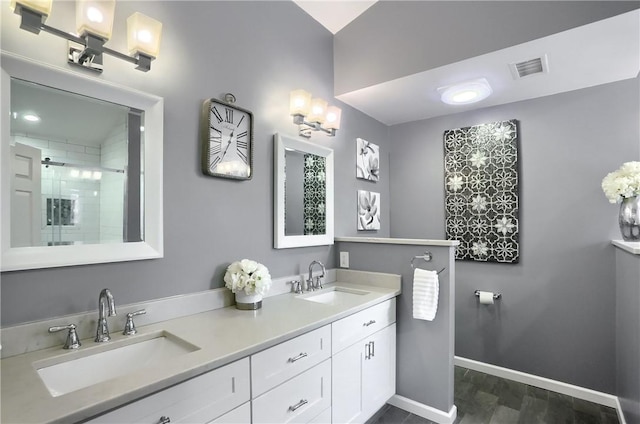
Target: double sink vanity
[[321, 356]]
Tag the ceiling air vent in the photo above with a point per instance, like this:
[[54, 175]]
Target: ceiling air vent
[[529, 67]]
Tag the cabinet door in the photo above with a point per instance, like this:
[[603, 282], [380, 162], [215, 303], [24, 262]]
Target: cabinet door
[[346, 380], [379, 370]]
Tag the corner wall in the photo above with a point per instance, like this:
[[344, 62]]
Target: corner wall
[[556, 318]]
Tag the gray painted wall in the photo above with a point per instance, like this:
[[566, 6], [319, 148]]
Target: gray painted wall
[[394, 39], [556, 318], [425, 349], [628, 334], [259, 51]]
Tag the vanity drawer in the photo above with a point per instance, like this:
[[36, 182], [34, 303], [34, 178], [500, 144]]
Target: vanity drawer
[[351, 329], [200, 399], [281, 362], [299, 400]]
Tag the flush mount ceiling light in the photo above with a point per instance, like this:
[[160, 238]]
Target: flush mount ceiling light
[[31, 117], [310, 114], [465, 93], [94, 21]]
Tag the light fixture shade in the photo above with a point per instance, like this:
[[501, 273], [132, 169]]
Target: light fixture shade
[[332, 119], [299, 102], [95, 17], [466, 93], [40, 6], [318, 110], [143, 35]]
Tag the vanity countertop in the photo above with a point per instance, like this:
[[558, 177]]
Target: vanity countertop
[[223, 336]]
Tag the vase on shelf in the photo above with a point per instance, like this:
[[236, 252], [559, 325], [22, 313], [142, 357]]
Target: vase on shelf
[[248, 302], [629, 218]]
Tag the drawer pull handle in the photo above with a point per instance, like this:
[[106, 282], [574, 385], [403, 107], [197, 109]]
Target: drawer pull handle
[[297, 358], [366, 324], [300, 404], [164, 420], [373, 349]]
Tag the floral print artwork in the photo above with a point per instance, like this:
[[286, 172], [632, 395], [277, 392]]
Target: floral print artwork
[[367, 160], [481, 191], [368, 210]]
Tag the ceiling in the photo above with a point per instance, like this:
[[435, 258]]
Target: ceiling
[[334, 14], [598, 53]]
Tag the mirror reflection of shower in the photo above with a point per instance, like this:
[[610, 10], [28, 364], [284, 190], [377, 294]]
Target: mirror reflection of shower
[[72, 195], [76, 169]]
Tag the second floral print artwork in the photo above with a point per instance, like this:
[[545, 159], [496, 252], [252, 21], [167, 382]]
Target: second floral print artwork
[[368, 210]]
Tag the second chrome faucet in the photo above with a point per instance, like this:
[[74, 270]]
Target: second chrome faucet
[[106, 307]]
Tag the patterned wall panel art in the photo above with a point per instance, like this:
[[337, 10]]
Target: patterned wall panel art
[[481, 191], [368, 210], [367, 160]]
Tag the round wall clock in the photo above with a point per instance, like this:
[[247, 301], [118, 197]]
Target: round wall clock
[[227, 140]]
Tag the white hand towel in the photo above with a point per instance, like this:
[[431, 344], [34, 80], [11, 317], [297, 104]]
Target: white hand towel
[[425, 294]]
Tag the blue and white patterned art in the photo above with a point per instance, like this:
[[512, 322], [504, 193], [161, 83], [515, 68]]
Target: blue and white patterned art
[[481, 191]]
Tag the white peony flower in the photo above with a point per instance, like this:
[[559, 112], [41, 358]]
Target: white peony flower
[[622, 183], [248, 276]]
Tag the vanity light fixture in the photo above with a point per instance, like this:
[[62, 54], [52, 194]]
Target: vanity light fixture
[[313, 114], [466, 93], [94, 22]]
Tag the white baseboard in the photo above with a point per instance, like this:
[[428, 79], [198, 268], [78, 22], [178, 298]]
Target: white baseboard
[[544, 383], [424, 411]]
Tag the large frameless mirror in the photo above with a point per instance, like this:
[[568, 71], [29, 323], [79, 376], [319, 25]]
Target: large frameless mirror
[[81, 169], [303, 203]]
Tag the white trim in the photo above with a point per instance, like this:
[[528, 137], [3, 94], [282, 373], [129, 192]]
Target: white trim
[[423, 410], [280, 239], [152, 247], [631, 247], [379, 240], [544, 383]]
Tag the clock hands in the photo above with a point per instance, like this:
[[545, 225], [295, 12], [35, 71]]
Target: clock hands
[[228, 144]]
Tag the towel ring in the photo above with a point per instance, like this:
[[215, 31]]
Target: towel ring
[[426, 257]]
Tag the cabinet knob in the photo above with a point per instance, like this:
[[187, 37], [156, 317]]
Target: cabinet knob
[[164, 420]]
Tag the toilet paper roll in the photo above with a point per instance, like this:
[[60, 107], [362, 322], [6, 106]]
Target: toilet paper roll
[[486, 298]]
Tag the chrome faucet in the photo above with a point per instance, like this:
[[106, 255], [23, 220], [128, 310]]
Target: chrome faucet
[[318, 283], [106, 305]]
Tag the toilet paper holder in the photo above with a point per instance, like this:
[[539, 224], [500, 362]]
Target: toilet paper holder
[[496, 296]]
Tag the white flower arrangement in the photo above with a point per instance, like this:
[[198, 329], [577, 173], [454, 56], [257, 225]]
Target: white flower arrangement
[[248, 276], [622, 183]]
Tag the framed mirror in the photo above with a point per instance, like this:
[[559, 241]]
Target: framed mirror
[[80, 169], [303, 193]]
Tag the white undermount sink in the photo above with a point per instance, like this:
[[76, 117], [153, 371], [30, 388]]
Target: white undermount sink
[[333, 295], [77, 372]]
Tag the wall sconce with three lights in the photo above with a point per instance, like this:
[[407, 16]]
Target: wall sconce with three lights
[[313, 114], [94, 23]]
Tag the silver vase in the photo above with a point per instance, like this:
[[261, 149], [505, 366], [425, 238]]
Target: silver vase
[[629, 218]]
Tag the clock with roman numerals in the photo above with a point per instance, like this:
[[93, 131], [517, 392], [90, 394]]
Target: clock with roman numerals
[[227, 139]]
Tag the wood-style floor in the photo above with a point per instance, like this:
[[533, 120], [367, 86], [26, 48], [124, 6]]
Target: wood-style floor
[[487, 399]]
